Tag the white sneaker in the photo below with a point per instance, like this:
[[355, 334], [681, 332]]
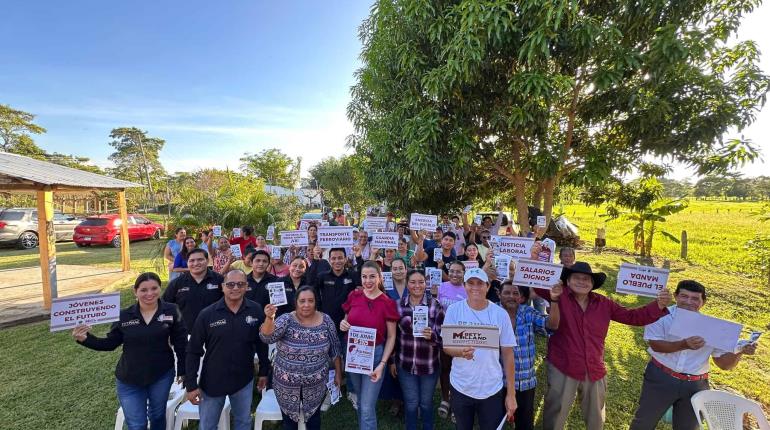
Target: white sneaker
[[353, 400], [327, 403]]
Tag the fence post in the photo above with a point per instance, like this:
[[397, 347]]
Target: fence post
[[683, 252]]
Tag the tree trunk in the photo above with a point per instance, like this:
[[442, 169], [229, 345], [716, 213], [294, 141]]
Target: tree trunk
[[520, 184], [537, 197], [548, 187], [641, 238], [147, 174]]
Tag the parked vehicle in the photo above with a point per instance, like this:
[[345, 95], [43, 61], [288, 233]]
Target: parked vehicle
[[105, 229], [19, 226]]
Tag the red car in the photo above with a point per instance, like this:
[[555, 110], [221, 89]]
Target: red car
[[105, 229]]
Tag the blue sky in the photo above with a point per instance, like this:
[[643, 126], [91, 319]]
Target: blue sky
[[215, 79]]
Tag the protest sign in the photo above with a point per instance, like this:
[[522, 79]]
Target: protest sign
[[334, 390], [391, 226], [470, 264], [467, 209], [70, 312], [717, 333], [346, 208], [277, 293], [294, 237], [516, 247], [437, 254], [385, 240], [270, 233], [477, 220], [303, 224], [217, 230], [476, 336], [360, 350], [641, 280], [325, 223], [236, 251], [419, 222], [387, 280], [547, 250], [419, 320], [335, 237], [236, 232], [275, 252], [502, 263], [434, 275], [446, 227], [753, 338], [531, 273], [541, 221], [375, 223]]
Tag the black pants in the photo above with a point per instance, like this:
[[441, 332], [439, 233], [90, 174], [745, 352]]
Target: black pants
[[312, 423], [659, 392], [490, 411], [524, 418]]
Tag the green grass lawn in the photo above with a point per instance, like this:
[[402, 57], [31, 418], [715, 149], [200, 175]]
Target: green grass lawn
[[48, 380]]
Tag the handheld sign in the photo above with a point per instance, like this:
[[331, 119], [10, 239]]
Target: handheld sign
[[236, 250], [717, 333], [335, 237], [516, 247], [360, 350], [419, 320], [419, 222], [541, 221], [270, 233], [502, 263], [217, 230], [391, 226], [446, 227], [275, 252], [387, 280], [437, 254], [375, 224], [303, 225], [385, 240], [236, 232], [277, 293], [470, 264], [294, 237], [531, 273], [477, 220], [476, 336], [70, 312], [467, 209], [346, 208], [334, 390], [434, 275], [641, 280]]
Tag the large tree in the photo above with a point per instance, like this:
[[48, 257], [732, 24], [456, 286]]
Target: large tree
[[463, 98], [343, 180], [273, 167], [137, 158], [15, 129]]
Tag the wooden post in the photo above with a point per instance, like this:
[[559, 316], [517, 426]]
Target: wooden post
[[47, 240], [125, 254], [683, 242]]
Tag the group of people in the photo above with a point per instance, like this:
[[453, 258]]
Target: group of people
[[226, 310]]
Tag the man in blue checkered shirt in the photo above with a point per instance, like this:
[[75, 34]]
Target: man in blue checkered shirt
[[526, 320]]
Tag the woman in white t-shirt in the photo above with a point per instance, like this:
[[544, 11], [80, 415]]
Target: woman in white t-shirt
[[477, 377]]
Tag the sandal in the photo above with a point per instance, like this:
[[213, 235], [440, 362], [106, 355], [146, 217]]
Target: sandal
[[443, 409]]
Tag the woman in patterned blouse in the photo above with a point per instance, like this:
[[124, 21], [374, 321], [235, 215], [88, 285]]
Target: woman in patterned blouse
[[307, 343]]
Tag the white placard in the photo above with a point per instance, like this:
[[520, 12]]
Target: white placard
[[541, 221], [438, 254], [70, 312], [360, 350], [236, 251], [217, 230], [467, 209], [516, 247], [434, 275], [717, 333], [346, 208], [303, 224], [236, 232], [270, 233], [375, 223], [477, 220], [387, 280], [334, 390], [335, 237], [275, 252], [531, 273], [294, 237], [476, 336], [641, 280], [277, 293], [470, 264], [385, 240], [447, 227], [419, 222], [419, 320], [502, 263], [391, 226]]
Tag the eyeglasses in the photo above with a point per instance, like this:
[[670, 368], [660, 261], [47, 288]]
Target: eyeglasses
[[233, 285]]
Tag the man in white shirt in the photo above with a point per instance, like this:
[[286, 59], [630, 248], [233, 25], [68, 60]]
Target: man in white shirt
[[678, 368]]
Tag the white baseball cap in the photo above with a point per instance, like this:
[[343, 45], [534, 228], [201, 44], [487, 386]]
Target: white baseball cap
[[476, 273]]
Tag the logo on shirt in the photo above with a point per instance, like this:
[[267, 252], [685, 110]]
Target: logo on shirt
[[212, 287], [347, 281], [218, 323], [130, 323], [250, 320], [329, 283], [163, 317], [183, 289]]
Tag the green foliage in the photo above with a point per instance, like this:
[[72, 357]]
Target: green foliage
[[273, 167], [137, 159], [15, 129], [343, 180]]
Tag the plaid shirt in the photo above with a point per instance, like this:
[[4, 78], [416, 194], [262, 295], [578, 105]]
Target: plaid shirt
[[418, 355], [528, 320]]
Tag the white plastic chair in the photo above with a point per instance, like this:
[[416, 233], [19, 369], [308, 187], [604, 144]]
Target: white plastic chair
[[187, 411], [268, 410], [725, 411], [175, 397]]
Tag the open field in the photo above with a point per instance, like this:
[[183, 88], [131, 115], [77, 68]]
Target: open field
[[48, 379]]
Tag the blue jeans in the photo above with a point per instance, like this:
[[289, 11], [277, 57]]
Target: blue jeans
[[134, 400], [418, 393], [240, 408], [367, 392]]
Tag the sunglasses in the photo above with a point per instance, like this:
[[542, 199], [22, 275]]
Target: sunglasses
[[233, 285]]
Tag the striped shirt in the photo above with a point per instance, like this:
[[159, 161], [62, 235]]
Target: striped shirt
[[528, 320], [417, 355]]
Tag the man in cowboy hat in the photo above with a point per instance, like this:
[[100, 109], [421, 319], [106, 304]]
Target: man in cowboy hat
[[576, 350]]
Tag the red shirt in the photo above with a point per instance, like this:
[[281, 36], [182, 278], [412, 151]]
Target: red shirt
[[577, 347], [245, 243], [365, 312]]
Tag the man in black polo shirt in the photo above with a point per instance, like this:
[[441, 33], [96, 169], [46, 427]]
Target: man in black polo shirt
[[229, 332], [196, 289], [334, 286], [448, 255], [259, 278]]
